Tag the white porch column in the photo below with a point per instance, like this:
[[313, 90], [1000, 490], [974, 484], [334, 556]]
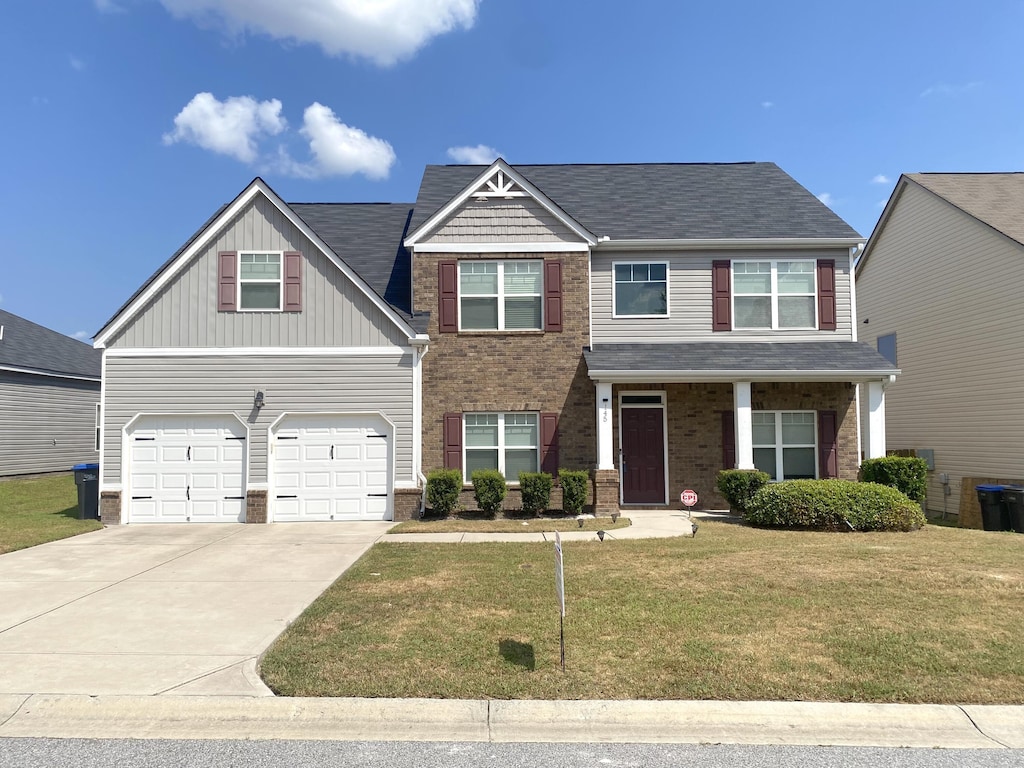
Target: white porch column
[[876, 419], [605, 454], [744, 425]]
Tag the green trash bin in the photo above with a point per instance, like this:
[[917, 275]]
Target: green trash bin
[[1013, 500], [87, 478], [993, 511]]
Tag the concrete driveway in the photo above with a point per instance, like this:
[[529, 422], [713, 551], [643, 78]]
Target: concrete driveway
[[163, 609]]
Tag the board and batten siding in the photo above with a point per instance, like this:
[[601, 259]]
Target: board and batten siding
[[335, 312], [689, 303], [949, 287], [292, 384], [518, 220], [47, 424]]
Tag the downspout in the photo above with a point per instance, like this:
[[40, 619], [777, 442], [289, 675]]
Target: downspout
[[423, 346]]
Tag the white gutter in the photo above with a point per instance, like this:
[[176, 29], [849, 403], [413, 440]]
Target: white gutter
[[619, 376], [51, 374]]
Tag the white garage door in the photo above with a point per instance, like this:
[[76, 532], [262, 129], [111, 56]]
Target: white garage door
[[187, 469], [331, 467]]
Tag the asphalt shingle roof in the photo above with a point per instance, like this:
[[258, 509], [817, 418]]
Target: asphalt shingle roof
[[661, 200], [780, 356], [31, 346], [994, 198]]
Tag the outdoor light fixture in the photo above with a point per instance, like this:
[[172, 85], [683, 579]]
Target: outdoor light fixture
[[257, 402], [615, 516], [579, 521], [600, 535]]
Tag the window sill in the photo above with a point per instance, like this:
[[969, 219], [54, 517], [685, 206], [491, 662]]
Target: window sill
[[531, 332]]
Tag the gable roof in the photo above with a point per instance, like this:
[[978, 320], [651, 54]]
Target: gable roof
[[996, 199], [29, 347], [660, 201]]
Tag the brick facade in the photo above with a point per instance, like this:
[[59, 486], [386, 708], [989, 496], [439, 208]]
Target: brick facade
[[110, 507], [255, 506], [407, 504]]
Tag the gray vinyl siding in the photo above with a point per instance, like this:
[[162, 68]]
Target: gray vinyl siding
[[300, 384], [689, 281], [519, 220], [949, 287], [47, 424], [335, 312]]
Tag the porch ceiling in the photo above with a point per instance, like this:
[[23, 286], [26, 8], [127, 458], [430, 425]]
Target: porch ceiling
[[737, 361]]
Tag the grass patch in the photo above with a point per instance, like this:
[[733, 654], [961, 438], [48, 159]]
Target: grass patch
[[40, 509], [736, 613], [510, 525]]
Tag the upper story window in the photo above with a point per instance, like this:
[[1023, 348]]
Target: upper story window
[[641, 289], [508, 442], [500, 295], [259, 281], [784, 444], [774, 294]]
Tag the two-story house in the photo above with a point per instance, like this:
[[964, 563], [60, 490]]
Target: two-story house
[[653, 323]]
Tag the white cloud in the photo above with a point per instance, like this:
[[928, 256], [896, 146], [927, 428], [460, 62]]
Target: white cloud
[[946, 89], [76, 63], [337, 149], [880, 178], [384, 31], [481, 154], [107, 6], [80, 335], [231, 127], [826, 198], [767, 104], [881, 203]]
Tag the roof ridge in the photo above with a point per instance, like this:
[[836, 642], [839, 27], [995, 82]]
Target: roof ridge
[[602, 165]]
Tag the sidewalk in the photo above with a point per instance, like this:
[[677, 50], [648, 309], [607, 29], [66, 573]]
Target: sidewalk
[[680, 722]]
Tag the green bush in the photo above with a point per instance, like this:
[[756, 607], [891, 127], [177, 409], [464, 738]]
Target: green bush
[[834, 505], [536, 491], [739, 485], [443, 487], [574, 489], [906, 474], [489, 489]]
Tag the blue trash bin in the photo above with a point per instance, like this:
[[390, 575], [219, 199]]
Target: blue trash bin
[[87, 478], [993, 511]]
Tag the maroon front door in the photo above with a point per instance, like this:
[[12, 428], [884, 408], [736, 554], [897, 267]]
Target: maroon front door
[[643, 456]]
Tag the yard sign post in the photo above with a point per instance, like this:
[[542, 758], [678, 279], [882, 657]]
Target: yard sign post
[[560, 591]]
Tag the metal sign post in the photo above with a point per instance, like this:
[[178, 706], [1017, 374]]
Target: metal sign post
[[560, 592]]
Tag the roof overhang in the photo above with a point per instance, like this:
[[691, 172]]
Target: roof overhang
[[704, 244], [52, 374], [685, 376]]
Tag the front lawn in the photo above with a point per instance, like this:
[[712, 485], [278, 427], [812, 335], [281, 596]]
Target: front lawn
[[510, 525], [38, 510], [735, 613]]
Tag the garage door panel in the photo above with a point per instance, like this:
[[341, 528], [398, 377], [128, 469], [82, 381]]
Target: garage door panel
[[348, 453], [172, 453], [377, 450], [288, 451]]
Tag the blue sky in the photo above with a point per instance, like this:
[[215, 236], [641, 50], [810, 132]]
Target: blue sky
[[129, 122]]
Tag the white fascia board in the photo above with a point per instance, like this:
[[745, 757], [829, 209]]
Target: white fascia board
[[760, 243], [552, 247], [712, 377], [456, 202], [257, 351], [258, 186], [50, 374]]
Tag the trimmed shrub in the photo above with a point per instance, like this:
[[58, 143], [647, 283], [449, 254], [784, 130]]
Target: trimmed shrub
[[574, 489], [906, 474], [536, 491], [739, 485], [443, 487], [834, 505], [489, 489]]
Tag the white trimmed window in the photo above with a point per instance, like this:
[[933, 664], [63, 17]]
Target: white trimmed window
[[785, 444], [500, 295], [259, 281], [507, 442], [641, 289], [774, 294]]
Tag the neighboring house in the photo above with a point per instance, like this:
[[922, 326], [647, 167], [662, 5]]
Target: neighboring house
[[652, 323], [49, 396], [939, 286]]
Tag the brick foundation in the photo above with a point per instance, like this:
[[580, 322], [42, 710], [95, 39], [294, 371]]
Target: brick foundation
[[407, 503], [110, 507], [606, 491], [255, 506]]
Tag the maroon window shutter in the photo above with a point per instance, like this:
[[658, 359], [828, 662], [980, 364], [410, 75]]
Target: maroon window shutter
[[728, 440], [453, 441], [828, 454], [227, 279], [826, 294], [721, 296], [293, 281], [448, 299], [549, 443], [553, 296]]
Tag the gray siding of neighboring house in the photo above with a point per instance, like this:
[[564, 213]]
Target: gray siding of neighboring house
[[519, 220], [335, 312], [47, 424], [690, 296], [299, 384], [949, 287]]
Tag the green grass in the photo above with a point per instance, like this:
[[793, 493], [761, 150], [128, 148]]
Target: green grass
[[510, 525], [735, 613], [38, 510]]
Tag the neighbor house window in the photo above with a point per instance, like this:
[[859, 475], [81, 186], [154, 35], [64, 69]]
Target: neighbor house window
[[500, 295], [887, 347], [96, 445], [259, 281], [784, 444], [774, 294], [507, 442], [641, 290]]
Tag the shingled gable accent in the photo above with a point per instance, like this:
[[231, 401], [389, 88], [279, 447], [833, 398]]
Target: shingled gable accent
[[202, 241], [498, 180]]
